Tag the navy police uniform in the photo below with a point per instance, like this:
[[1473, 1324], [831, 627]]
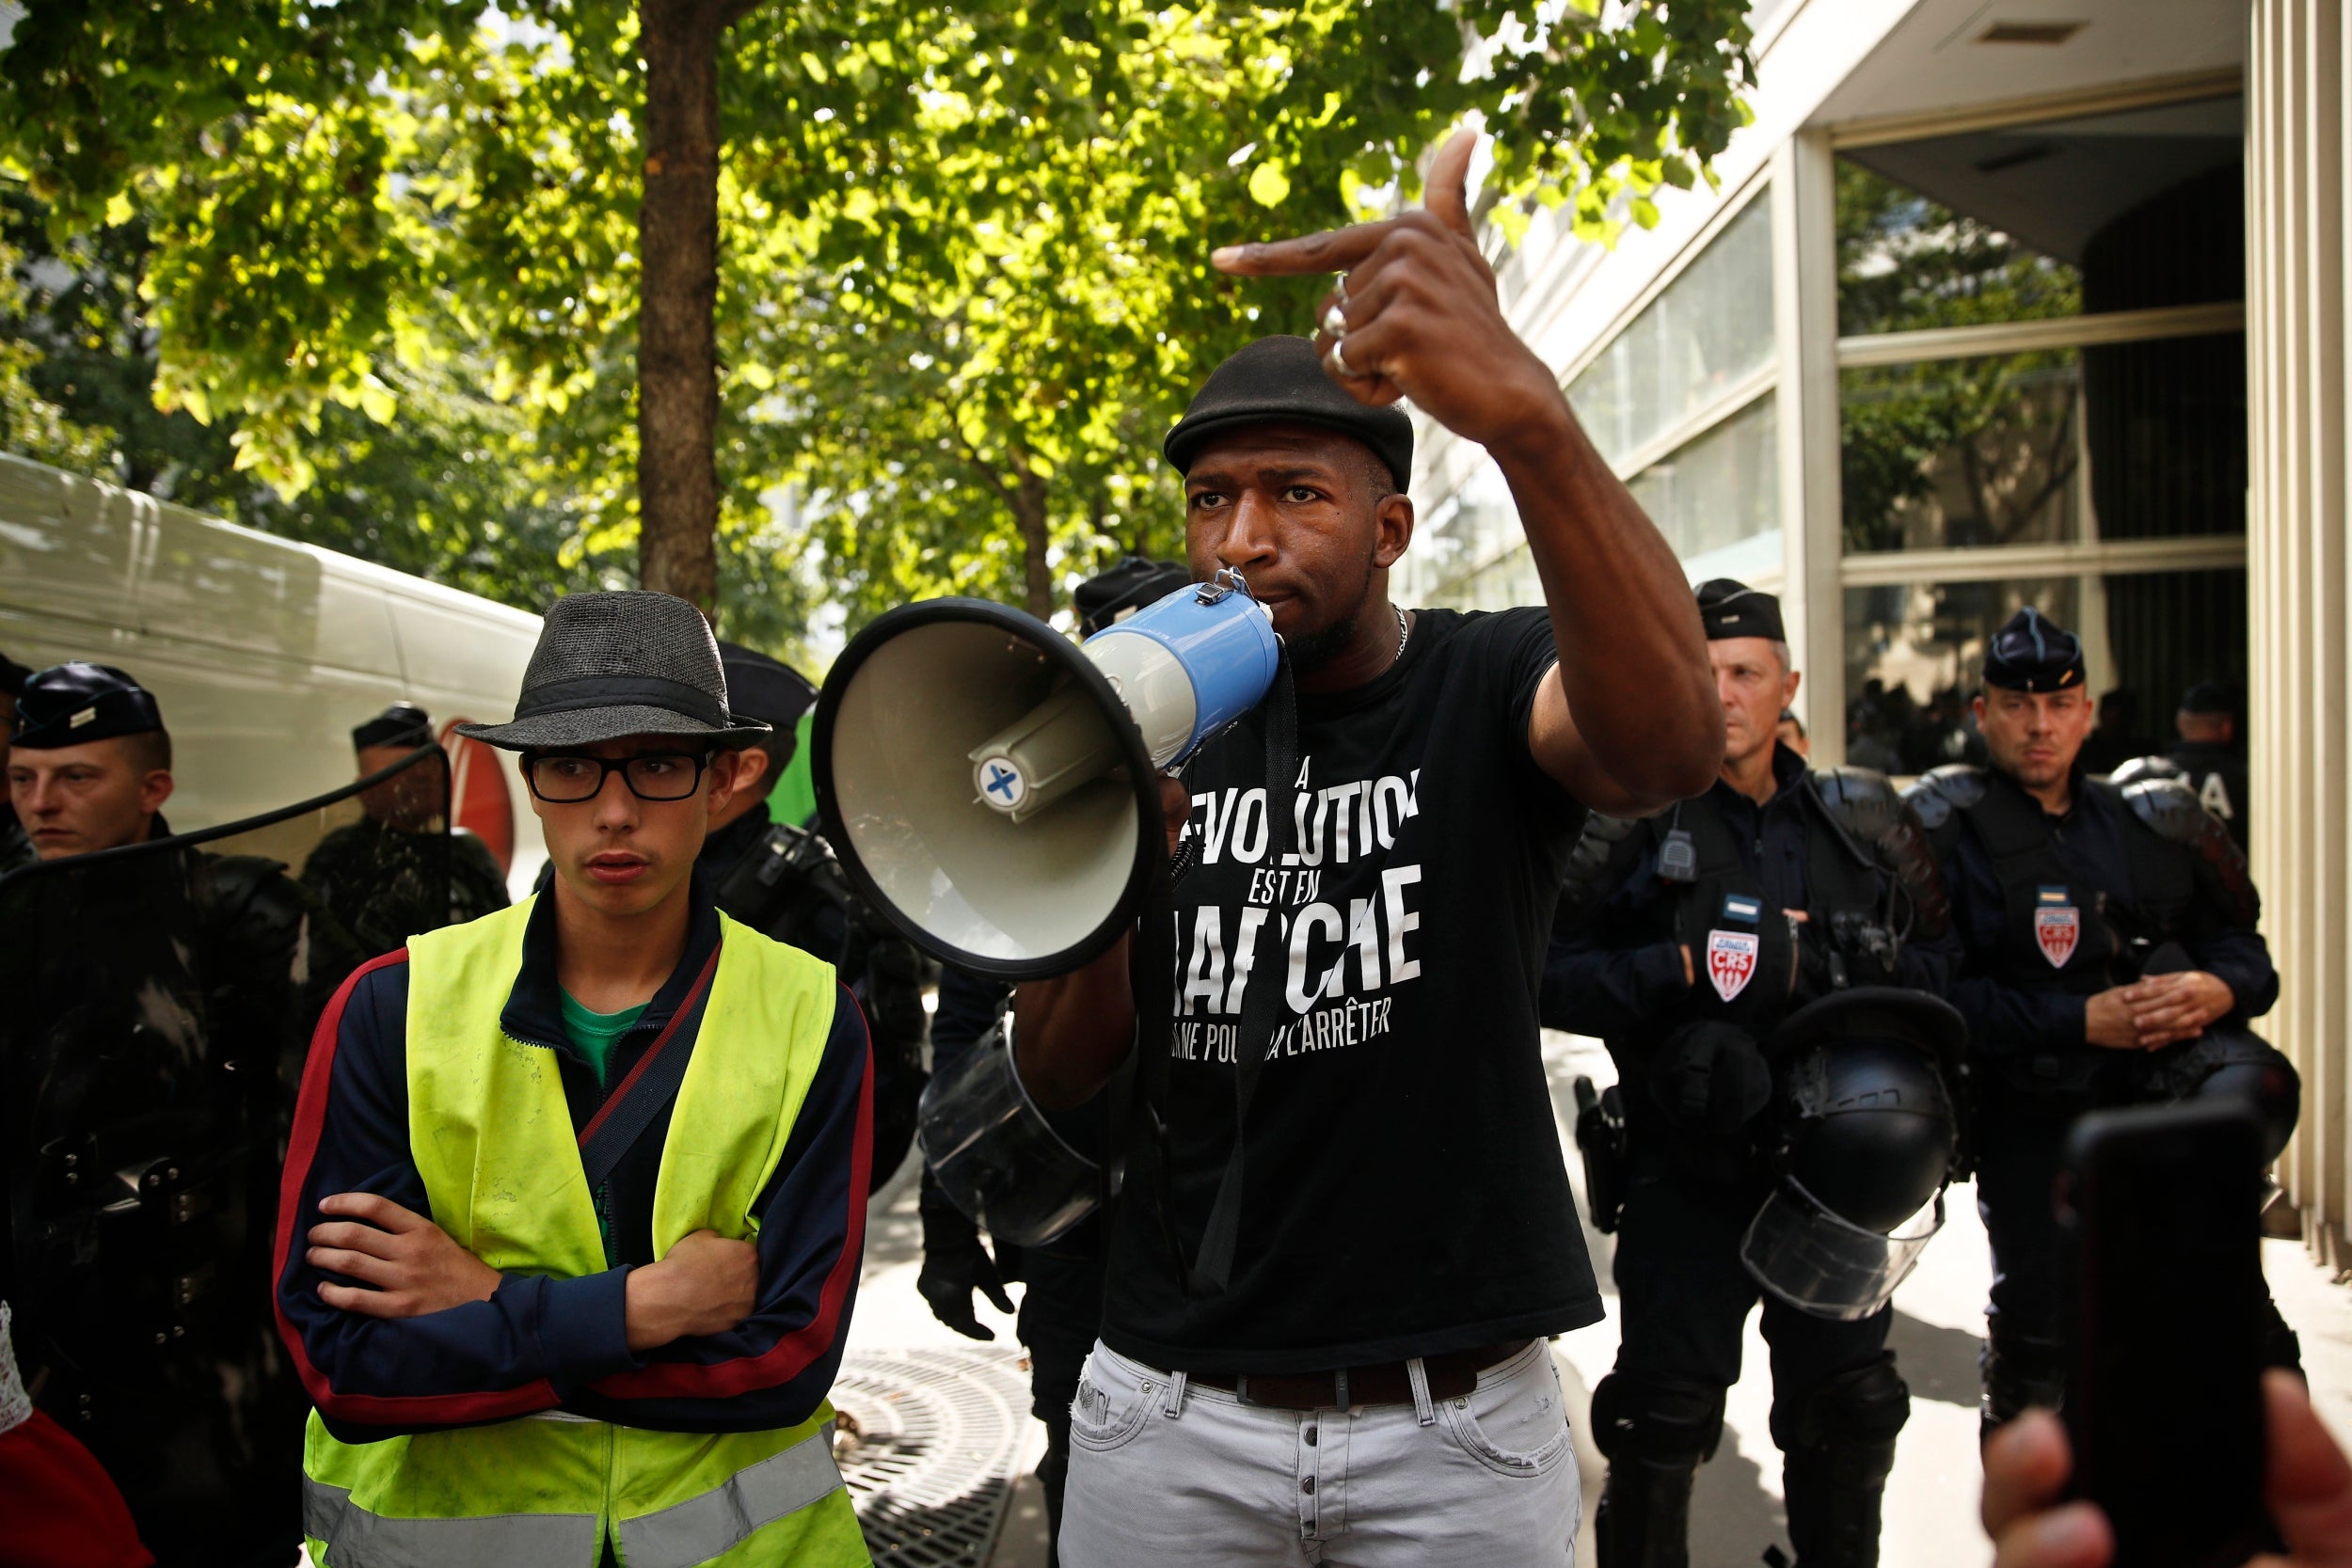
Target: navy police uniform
[[2051, 910], [160, 1006], [1717, 876]]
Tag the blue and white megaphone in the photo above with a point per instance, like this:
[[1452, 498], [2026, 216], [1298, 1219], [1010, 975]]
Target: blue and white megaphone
[[992, 789]]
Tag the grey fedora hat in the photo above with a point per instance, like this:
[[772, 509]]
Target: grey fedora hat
[[610, 665]]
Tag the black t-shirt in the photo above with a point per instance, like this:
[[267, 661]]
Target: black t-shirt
[[1404, 1193]]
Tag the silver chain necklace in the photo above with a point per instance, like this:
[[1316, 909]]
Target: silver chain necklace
[[1403, 631]]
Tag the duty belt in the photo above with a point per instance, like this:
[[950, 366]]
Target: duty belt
[[1451, 1376]]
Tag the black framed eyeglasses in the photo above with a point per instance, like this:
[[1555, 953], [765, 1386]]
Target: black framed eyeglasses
[[566, 778]]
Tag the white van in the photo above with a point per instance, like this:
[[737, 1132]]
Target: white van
[[262, 652]]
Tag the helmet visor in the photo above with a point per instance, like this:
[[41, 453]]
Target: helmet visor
[[995, 1155], [1828, 1267]]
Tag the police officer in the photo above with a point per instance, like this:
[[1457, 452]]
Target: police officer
[[383, 876], [2111, 957], [158, 1008], [1689, 938], [782, 880], [2208, 753], [1062, 1308]]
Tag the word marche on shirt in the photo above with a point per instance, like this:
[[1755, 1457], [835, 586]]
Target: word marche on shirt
[[1343, 950]]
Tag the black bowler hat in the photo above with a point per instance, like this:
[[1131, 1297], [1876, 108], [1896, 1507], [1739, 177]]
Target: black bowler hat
[[765, 688], [67, 704], [2034, 653], [1728, 609], [1112, 596], [401, 724], [1281, 380], [612, 665]]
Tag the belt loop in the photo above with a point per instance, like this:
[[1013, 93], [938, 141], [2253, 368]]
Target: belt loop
[[1422, 1406], [1339, 1379], [1177, 1383]]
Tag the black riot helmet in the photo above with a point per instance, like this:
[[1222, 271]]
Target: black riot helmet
[[2238, 1065], [1871, 1135]]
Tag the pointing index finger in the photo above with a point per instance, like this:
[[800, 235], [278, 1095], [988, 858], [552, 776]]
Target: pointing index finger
[[1447, 193], [1334, 250]]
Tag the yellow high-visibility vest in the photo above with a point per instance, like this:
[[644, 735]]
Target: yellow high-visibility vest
[[492, 1136]]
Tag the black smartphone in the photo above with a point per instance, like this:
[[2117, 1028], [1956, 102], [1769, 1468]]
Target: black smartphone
[[2160, 1208]]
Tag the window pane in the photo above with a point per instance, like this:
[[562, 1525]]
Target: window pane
[[1914, 656], [1720, 491], [1958, 452], [1905, 263], [1709, 330], [2167, 437]]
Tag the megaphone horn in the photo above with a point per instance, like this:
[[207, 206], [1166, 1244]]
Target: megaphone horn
[[991, 788]]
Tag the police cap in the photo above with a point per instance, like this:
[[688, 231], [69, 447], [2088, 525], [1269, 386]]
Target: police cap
[[401, 724], [1729, 609], [1281, 380], [767, 688], [68, 705], [1134, 582], [2034, 653]]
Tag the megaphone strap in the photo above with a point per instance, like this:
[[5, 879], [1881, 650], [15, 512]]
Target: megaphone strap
[[1210, 1270]]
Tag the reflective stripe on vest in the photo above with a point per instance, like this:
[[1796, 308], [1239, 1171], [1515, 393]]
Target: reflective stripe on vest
[[365, 1540], [492, 1136], [702, 1527]]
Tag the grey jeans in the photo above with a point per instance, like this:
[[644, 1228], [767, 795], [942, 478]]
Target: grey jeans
[[1165, 1472]]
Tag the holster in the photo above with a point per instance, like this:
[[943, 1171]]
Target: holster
[[1600, 1139]]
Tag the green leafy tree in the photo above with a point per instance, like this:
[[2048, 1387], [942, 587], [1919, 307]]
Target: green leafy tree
[[622, 206], [1990, 442]]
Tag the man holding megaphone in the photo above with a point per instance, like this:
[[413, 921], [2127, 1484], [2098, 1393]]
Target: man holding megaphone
[[1352, 1358]]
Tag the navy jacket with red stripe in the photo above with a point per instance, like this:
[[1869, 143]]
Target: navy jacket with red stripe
[[540, 1343]]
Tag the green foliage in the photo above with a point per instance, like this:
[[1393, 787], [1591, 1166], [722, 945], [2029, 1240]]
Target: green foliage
[[964, 285], [1993, 437]]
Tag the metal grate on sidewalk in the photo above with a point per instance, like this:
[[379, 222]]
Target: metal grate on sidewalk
[[929, 1447]]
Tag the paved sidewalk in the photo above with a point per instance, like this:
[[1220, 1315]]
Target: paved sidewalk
[[1931, 1499]]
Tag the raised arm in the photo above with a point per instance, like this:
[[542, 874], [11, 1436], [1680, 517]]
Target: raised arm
[[1629, 720]]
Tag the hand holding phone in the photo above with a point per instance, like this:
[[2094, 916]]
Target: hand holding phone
[[2309, 1488], [2160, 1207]]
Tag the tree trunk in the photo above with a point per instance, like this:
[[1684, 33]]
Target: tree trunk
[[1028, 511], [678, 248]]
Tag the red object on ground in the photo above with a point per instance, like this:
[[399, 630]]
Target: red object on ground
[[479, 799], [62, 1509]]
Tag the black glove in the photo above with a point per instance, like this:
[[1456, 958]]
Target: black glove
[[1709, 1077], [956, 1263]]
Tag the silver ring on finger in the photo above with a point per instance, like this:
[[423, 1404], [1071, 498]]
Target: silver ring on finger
[[1338, 289], [1335, 320], [1335, 361]]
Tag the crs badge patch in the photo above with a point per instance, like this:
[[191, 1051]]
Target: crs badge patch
[[1732, 955], [2057, 926]]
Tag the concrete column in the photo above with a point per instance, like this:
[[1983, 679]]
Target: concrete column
[[1804, 316], [2300, 706]]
